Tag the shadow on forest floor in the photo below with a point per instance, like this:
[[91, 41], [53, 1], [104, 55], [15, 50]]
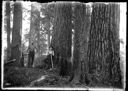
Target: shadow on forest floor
[[35, 77]]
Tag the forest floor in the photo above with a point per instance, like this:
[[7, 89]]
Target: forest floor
[[38, 77], [35, 77]]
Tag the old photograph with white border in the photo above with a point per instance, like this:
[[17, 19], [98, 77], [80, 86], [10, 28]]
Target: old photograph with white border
[[63, 45]]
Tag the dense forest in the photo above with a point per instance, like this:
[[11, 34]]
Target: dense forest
[[73, 45]]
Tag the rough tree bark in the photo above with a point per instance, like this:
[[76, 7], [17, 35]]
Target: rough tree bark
[[37, 29], [115, 45], [81, 28], [61, 40], [62, 35], [16, 36], [103, 53]]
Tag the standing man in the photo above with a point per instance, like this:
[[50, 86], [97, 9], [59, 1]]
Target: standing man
[[31, 55], [22, 60], [51, 53]]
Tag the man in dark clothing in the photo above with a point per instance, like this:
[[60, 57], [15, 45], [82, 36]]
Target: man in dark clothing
[[22, 60], [48, 61], [51, 53], [31, 55]]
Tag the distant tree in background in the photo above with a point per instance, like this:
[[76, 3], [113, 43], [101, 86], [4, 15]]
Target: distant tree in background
[[8, 10], [47, 21], [39, 27], [35, 27], [16, 33]]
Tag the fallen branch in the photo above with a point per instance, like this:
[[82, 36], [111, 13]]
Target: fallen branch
[[8, 62]]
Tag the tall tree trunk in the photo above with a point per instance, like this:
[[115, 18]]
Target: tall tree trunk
[[103, 48], [115, 45], [38, 31], [16, 36], [8, 30], [32, 25], [81, 29], [35, 29], [61, 40]]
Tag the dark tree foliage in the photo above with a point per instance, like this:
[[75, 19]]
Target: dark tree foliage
[[81, 28], [103, 47], [16, 33], [61, 40]]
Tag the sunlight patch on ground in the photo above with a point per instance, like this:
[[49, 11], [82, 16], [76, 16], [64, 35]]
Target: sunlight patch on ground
[[37, 80], [41, 78]]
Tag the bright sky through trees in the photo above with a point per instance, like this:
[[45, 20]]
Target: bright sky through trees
[[26, 20]]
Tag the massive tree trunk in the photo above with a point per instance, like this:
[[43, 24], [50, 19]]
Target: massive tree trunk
[[62, 35], [96, 59], [8, 30], [16, 36], [81, 29], [61, 40], [103, 53]]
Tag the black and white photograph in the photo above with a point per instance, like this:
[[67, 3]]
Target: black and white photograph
[[63, 45]]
